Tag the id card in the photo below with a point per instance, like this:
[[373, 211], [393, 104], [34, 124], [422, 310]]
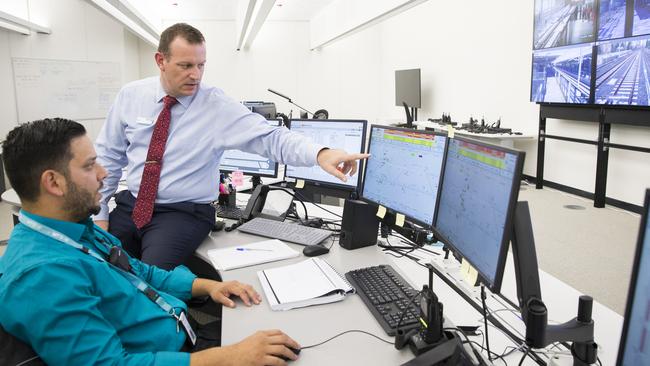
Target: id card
[[188, 328]]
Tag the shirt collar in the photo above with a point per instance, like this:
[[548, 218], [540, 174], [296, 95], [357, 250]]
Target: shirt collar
[[73, 230], [184, 100]]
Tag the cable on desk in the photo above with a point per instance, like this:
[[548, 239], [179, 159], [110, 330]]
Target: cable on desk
[[347, 331], [524, 356], [487, 337], [496, 355], [316, 204]]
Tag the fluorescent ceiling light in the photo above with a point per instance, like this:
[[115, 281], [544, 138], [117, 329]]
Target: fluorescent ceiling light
[[119, 16], [247, 20], [258, 20], [19, 24], [14, 28]]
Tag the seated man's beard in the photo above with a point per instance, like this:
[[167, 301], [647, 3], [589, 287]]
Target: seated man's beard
[[79, 203]]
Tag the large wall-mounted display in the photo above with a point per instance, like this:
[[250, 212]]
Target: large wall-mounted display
[[591, 52]]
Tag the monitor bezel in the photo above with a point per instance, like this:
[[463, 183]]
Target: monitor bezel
[[264, 175], [360, 168], [494, 286], [442, 168], [635, 275]]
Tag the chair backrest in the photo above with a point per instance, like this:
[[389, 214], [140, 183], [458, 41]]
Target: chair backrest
[[14, 352]]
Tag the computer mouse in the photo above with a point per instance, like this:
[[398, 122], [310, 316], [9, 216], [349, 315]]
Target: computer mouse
[[314, 250], [296, 351], [219, 225]]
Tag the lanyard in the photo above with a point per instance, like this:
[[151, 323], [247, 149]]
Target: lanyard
[[133, 279]]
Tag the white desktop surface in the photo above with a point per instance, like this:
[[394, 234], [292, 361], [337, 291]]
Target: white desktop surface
[[317, 323]]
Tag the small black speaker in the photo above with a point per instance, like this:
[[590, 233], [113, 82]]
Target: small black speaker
[[359, 226]]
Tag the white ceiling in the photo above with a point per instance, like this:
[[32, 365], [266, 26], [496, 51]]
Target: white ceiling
[[285, 10]]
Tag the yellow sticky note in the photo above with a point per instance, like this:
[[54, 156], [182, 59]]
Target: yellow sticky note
[[381, 211], [450, 131], [300, 183], [399, 220], [464, 269], [472, 276]]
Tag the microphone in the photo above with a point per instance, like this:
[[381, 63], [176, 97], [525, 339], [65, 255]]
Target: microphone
[[279, 94]]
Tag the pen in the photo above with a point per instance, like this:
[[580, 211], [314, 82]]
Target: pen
[[261, 250]]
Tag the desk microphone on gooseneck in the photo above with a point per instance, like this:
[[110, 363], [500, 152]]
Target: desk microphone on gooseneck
[[288, 100]]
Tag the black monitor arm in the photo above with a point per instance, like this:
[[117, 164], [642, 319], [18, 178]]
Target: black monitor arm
[[539, 334]]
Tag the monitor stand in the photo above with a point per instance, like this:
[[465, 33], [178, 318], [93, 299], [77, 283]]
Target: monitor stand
[[411, 116]]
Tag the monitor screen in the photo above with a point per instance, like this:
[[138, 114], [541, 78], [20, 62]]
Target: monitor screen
[[562, 75], [478, 193], [635, 341], [621, 72], [407, 88], [403, 171], [563, 22], [251, 164], [348, 135]]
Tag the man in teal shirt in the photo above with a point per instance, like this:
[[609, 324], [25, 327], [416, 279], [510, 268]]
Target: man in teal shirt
[[67, 301]]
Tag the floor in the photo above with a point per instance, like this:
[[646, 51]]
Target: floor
[[591, 249]]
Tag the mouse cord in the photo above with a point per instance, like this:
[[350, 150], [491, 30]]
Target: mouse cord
[[347, 331]]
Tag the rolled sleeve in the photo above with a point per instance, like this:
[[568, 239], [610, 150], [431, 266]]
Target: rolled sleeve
[[172, 359]]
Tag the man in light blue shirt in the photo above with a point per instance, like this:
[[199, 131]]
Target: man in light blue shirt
[[60, 294], [204, 123]]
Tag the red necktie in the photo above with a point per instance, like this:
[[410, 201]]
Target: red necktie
[[151, 176]]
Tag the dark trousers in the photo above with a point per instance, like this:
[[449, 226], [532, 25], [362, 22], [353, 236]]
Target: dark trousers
[[174, 233]]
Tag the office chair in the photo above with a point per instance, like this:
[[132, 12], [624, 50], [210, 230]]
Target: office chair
[[15, 352]]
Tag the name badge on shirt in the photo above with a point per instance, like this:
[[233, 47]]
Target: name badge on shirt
[[144, 121], [187, 328]]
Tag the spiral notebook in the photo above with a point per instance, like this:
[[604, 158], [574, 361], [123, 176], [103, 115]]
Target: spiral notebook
[[310, 282]]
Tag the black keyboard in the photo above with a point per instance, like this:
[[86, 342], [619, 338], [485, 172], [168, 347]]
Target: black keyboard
[[226, 212], [387, 295]]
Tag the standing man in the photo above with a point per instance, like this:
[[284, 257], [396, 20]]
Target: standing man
[[170, 132]]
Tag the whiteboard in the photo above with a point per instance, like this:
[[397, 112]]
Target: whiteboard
[[68, 89]]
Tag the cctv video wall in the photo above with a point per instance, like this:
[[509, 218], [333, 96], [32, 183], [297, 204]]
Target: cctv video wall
[[591, 52]]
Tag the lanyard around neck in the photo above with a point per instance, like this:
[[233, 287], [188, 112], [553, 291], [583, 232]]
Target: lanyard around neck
[[133, 279]]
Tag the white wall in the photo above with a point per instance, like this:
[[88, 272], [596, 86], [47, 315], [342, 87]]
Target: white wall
[[80, 32], [475, 58]]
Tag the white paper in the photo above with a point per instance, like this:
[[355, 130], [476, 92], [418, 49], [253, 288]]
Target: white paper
[[250, 254]]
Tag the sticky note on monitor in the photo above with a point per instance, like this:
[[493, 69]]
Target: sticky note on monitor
[[300, 184], [450, 131], [381, 211], [399, 220], [237, 178], [472, 276]]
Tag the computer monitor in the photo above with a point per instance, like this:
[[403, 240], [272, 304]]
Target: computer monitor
[[407, 88], [348, 135], [248, 163], [403, 171], [478, 193], [266, 109], [634, 348]]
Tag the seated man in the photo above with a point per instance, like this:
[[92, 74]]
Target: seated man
[[67, 288]]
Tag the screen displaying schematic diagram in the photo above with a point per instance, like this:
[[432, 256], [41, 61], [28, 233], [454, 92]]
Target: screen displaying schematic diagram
[[335, 134], [478, 181], [403, 171], [636, 350]]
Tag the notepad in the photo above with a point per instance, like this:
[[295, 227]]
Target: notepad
[[250, 254], [310, 282]]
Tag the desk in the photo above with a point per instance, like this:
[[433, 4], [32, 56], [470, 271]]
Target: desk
[[503, 139], [317, 323]]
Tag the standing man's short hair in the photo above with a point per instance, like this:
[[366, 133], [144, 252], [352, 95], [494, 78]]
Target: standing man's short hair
[[34, 147], [186, 31]]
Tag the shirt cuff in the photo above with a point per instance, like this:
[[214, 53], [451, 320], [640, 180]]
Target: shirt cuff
[[315, 149], [172, 359], [184, 278]]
